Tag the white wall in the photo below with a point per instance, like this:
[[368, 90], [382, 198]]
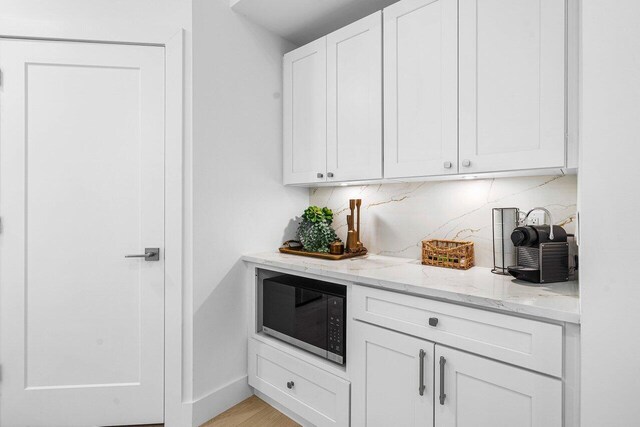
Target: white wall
[[610, 204], [240, 205]]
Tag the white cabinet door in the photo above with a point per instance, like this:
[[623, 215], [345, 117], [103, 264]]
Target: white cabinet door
[[305, 114], [354, 101], [512, 84], [82, 184], [472, 391], [392, 378], [421, 88]]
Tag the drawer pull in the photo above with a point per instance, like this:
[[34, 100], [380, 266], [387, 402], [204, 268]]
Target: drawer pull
[[433, 321], [422, 386], [443, 396], [290, 385]]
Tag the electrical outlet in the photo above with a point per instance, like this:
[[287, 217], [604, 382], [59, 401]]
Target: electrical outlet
[[537, 218]]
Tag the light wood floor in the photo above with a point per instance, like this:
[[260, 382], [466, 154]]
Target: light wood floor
[[249, 413]]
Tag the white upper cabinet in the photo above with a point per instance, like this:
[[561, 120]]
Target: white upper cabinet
[[421, 88], [470, 86], [333, 106], [512, 84], [354, 101], [474, 391], [305, 114]]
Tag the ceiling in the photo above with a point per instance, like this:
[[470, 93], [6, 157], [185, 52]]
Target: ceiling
[[302, 21]]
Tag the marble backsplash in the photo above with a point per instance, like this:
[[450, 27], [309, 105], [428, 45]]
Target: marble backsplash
[[395, 218]]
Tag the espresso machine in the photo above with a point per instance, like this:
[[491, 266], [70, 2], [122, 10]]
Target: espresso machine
[[542, 252]]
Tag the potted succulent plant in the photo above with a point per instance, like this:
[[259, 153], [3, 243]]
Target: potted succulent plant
[[315, 231]]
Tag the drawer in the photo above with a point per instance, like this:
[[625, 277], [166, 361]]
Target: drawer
[[523, 342], [316, 395]]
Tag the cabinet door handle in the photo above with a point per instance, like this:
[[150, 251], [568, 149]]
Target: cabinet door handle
[[433, 321], [320, 175], [290, 385], [443, 396], [422, 386]]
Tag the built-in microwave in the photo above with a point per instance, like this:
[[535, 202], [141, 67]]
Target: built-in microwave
[[304, 312]]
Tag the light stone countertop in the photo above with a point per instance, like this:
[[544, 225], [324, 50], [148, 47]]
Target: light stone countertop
[[476, 286]]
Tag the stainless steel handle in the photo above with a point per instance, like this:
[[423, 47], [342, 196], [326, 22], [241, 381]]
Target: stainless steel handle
[[290, 385], [150, 254], [466, 163], [320, 175], [329, 174], [422, 386], [443, 395]]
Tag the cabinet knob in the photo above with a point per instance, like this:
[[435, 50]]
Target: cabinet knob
[[433, 321], [466, 163], [447, 165], [290, 385], [329, 174], [320, 175]]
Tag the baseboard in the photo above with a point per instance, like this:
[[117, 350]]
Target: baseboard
[[218, 401]]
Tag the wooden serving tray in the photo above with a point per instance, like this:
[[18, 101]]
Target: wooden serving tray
[[322, 255]]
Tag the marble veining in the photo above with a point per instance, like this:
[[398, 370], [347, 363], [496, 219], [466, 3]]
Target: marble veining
[[476, 286], [397, 217]]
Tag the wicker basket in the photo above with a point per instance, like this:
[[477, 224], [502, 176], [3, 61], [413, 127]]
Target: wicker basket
[[448, 253]]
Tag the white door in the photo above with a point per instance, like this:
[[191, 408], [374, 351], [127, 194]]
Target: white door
[[81, 186], [305, 114], [392, 378], [421, 88], [472, 391], [512, 85], [354, 101]]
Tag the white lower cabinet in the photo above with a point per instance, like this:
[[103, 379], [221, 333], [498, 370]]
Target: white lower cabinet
[[472, 391], [399, 381], [413, 361], [522, 342], [314, 394], [392, 378]]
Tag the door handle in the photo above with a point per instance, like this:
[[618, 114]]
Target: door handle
[[443, 395], [150, 254], [422, 386]]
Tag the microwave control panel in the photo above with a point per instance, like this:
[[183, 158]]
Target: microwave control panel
[[336, 325]]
